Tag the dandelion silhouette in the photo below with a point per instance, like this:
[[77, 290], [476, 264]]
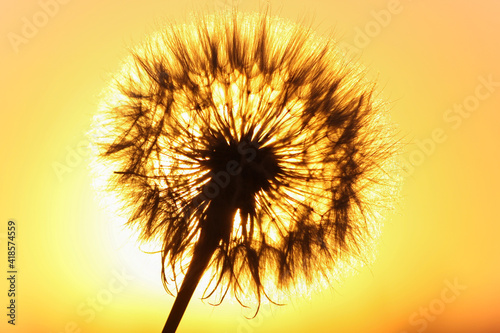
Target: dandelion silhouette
[[252, 150]]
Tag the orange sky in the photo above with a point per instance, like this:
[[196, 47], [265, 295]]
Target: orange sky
[[437, 269]]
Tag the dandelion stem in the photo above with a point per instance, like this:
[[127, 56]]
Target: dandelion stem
[[201, 257], [218, 222]]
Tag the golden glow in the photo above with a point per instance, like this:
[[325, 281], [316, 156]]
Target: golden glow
[[239, 105], [51, 86]]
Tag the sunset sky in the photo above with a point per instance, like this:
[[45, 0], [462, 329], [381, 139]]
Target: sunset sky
[[437, 268]]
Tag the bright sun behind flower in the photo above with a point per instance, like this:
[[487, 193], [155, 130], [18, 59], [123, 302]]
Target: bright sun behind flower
[[252, 150]]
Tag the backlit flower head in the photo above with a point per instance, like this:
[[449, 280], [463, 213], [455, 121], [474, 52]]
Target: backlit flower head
[[254, 140]]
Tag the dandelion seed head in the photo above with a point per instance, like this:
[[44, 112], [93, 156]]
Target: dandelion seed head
[[269, 122]]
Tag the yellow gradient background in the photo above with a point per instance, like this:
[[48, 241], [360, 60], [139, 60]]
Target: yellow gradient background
[[429, 57]]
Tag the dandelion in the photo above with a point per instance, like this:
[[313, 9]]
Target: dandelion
[[253, 150]]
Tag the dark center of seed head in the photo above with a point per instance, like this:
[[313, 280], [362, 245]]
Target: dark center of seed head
[[242, 168]]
